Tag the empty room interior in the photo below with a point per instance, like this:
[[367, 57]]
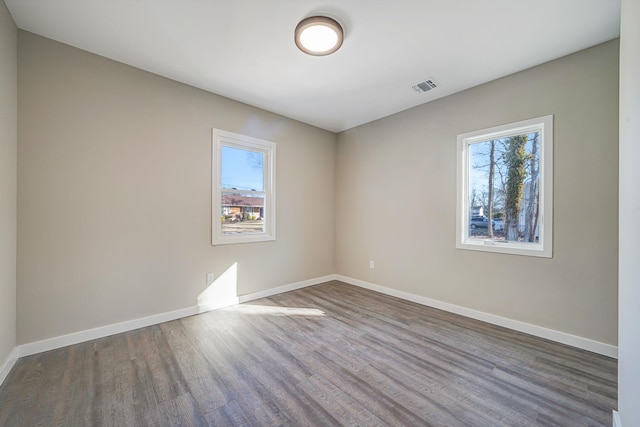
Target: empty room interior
[[207, 219]]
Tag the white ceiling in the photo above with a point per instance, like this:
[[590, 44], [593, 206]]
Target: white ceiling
[[244, 49]]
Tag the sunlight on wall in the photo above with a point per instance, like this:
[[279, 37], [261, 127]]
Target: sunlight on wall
[[277, 311], [223, 292]]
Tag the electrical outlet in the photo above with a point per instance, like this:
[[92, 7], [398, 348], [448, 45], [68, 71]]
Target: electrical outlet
[[372, 264], [209, 278]]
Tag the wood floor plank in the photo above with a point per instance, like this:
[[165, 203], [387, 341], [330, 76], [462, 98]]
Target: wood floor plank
[[242, 391], [202, 384], [330, 354], [296, 399]]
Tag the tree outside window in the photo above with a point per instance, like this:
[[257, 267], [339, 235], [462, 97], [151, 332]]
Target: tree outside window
[[505, 188]]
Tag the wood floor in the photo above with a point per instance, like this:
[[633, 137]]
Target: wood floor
[[331, 354]]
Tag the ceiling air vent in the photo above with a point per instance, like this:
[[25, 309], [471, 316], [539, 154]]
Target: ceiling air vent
[[425, 86]]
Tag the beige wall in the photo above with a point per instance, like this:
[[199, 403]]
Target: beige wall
[[629, 262], [8, 150], [397, 198], [114, 196]]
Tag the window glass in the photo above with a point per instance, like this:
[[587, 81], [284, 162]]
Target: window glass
[[243, 189], [505, 177], [504, 181], [242, 169]]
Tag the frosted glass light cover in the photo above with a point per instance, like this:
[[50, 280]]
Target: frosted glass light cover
[[318, 38], [318, 35]]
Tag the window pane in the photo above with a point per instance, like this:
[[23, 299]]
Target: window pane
[[243, 191], [242, 169], [242, 213], [504, 190]]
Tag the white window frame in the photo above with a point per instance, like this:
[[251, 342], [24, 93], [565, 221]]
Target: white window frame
[[222, 138], [544, 246]]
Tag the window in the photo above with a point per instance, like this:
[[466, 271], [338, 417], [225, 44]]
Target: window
[[505, 188], [243, 190]]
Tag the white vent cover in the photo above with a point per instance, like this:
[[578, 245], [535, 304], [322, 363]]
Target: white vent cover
[[426, 85]]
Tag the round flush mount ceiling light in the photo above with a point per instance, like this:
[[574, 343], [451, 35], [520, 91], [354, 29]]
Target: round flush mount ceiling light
[[319, 35]]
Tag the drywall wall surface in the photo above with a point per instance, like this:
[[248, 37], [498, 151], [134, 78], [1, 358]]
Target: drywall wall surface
[[114, 201], [396, 202], [629, 267], [8, 188]]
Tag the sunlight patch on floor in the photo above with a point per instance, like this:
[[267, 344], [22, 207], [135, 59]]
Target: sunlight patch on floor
[[276, 311]]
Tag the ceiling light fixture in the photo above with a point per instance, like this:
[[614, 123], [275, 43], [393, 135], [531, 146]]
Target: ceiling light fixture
[[319, 35]]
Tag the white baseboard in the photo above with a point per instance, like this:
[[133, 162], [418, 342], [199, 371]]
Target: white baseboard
[[539, 331], [8, 363], [616, 419], [104, 331], [129, 325], [286, 288], [101, 332]]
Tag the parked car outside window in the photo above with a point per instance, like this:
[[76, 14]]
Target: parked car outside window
[[478, 222], [483, 222]]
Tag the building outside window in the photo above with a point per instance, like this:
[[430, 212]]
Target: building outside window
[[243, 186]]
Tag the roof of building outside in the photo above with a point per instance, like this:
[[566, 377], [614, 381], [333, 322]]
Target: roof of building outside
[[235, 200]]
